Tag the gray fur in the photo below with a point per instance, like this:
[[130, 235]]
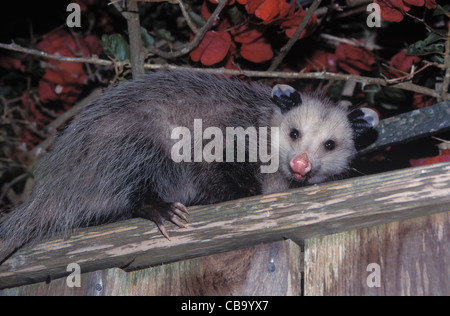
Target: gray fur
[[116, 155]]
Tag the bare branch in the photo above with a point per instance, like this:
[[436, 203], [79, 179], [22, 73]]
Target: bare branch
[[309, 75], [285, 49], [137, 54], [446, 81], [35, 52], [188, 19], [248, 73], [197, 39]]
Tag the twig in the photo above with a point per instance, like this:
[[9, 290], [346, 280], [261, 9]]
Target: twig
[[8, 185], [35, 52], [353, 42], [197, 39], [285, 49], [428, 27], [407, 77], [248, 73], [137, 54], [188, 19], [446, 80], [116, 5], [300, 75]]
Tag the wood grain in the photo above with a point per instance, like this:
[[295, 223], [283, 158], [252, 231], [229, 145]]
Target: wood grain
[[412, 125], [297, 215], [413, 256], [266, 269]]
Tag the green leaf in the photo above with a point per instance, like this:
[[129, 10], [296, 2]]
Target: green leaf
[[422, 48], [430, 45], [389, 106], [163, 34], [433, 37], [197, 19], [441, 10], [390, 98], [437, 58], [147, 39], [394, 93], [371, 92], [236, 16], [116, 46]]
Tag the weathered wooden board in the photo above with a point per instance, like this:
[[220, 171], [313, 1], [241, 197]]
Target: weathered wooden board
[[411, 126], [266, 269], [296, 214], [413, 258]]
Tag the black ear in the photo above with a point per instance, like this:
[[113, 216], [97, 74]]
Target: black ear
[[285, 97], [363, 120]]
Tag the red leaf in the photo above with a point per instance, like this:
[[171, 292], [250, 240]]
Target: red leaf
[[247, 34], [403, 63], [212, 49], [430, 4], [267, 10], [91, 46], [66, 73], [354, 59], [292, 22], [392, 10], [65, 80], [271, 9], [417, 3], [11, 63], [445, 156], [258, 51], [422, 101], [252, 5], [321, 60]]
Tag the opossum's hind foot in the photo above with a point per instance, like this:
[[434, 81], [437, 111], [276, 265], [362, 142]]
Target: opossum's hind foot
[[159, 212]]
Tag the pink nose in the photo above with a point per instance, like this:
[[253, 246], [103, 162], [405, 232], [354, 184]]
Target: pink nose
[[300, 166]]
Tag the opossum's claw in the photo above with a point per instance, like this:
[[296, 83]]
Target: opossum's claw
[[160, 212], [179, 209]]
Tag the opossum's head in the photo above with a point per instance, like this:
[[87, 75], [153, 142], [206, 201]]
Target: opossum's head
[[317, 137]]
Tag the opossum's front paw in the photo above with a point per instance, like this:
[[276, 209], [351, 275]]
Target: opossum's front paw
[[160, 212]]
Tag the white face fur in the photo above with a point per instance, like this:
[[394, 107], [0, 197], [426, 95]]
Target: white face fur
[[321, 133], [317, 137]]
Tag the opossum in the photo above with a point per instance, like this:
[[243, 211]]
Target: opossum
[[116, 160]]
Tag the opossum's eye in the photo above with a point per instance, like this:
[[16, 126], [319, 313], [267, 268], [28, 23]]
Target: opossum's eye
[[330, 145], [294, 134]]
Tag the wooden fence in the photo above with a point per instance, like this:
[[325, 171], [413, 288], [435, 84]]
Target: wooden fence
[[384, 234]]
